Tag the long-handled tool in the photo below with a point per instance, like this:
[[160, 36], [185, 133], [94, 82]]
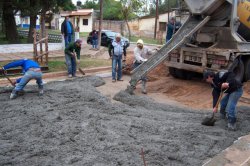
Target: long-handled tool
[[80, 70], [209, 121], [12, 83]]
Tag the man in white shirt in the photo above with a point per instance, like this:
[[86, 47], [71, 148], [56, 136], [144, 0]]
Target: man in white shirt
[[140, 54]]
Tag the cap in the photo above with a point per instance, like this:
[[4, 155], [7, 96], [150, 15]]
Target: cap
[[118, 35], [208, 73], [79, 41], [140, 41]]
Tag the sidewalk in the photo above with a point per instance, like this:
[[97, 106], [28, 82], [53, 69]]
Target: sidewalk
[[12, 52]]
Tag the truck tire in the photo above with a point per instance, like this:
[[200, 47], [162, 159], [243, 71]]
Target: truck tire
[[172, 72], [180, 73], [247, 70]]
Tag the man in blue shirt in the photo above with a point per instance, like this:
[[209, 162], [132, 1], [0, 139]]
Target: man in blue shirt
[[67, 31], [31, 70]]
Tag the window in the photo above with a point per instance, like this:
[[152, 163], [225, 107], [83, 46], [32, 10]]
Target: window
[[85, 21], [162, 26]]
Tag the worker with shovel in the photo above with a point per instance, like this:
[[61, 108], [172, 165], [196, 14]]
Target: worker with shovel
[[31, 70], [72, 57], [227, 82]]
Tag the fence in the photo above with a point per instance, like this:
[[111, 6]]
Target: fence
[[53, 38]]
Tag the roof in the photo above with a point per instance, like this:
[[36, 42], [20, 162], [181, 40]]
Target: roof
[[80, 12]]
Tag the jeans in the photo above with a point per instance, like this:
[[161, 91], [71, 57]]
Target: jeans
[[29, 75], [94, 43], [68, 39], [71, 64], [115, 62], [229, 102], [135, 65]]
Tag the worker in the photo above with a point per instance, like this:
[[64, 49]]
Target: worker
[[72, 57], [31, 70], [118, 48], [172, 27], [227, 82], [140, 55]]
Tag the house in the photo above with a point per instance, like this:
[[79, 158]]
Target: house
[[81, 19], [24, 22], [144, 26]]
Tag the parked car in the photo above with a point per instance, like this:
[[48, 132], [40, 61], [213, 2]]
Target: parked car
[[107, 37]]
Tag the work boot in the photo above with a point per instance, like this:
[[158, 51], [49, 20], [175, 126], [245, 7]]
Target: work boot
[[231, 126], [40, 92], [143, 87], [222, 114], [13, 94], [231, 123]]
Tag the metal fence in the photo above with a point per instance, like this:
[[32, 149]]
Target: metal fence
[[52, 38]]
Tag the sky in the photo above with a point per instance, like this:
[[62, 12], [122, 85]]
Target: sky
[[74, 1]]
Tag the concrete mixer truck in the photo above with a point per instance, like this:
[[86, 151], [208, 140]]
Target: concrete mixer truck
[[215, 36]]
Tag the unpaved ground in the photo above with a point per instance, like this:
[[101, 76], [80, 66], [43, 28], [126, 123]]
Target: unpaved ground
[[193, 93], [74, 124]]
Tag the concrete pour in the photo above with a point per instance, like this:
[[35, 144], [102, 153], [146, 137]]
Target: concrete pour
[[74, 124]]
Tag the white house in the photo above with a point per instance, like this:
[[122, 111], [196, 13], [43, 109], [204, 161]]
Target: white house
[[24, 22], [82, 19]]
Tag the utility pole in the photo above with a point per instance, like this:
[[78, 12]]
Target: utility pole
[[168, 11], [156, 18], [100, 23]]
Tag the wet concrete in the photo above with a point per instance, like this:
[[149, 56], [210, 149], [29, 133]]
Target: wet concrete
[[74, 124]]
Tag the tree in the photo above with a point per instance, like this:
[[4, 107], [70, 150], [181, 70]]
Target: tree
[[90, 5], [129, 8], [9, 21], [163, 7]]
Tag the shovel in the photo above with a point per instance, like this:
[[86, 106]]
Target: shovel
[[12, 83], [80, 70], [209, 121]]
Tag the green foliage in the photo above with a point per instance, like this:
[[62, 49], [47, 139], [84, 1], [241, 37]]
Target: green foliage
[[112, 10], [130, 7], [163, 6], [90, 5]]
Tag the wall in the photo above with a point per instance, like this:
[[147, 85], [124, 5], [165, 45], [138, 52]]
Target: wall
[[85, 28], [117, 26]]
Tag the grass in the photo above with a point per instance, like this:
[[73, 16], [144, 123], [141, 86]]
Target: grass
[[58, 64], [146, 40], [4, 41], [86, 62]]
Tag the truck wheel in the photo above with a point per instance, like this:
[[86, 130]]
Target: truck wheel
[[172, 71], [180, 74], [247, 70]]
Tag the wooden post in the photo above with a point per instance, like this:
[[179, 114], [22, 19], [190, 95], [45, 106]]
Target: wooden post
[[41, 44], [34, 45], [46, 48], [100, 24]]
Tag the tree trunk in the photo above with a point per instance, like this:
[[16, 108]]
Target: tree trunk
[[100, 24], [31, 28], [9, 22], [129, 31]]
